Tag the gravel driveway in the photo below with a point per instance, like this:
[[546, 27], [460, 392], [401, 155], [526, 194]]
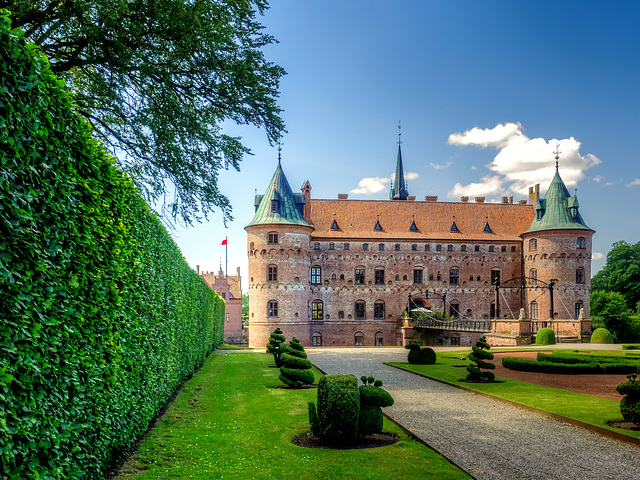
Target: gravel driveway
[[488, 439]]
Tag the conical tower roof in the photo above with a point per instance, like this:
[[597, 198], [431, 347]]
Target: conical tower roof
[[278, 205], [558, 210], [399, 189]]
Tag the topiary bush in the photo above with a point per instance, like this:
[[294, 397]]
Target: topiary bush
[[545, 336], [276, 346], [336, 418], [478, 357], [420, 356], [630, 403], [372, 399], [296, 370], [601, 335], [101, 318]]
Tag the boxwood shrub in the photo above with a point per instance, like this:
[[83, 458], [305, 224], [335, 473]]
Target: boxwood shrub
[[601, 335], [336, 417], [549, 367], [545, 336], [102, 318]]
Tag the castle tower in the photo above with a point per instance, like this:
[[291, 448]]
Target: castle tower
[[557, 249], [278, 241]]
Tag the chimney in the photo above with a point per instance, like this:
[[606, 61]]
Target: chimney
[[198, 269], [522, 202], [306, 191], [534, 195], [505, 199], [343, 196], [464, 199], [431, 198], [479, 199], [411, 198], [510, 199]]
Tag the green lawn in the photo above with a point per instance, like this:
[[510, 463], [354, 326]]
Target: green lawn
[[585, 408], [226, 423]]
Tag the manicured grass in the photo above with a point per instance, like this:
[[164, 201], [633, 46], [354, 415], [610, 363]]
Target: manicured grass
[[226, 423], [585, 408]]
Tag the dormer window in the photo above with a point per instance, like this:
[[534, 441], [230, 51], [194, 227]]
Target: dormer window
[[454, 228], [274, 206], [412, 227], [486, 228], [334, 226], [377, 227]]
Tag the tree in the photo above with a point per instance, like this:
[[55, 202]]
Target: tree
[[296, 370], [621, 273], [156, 78], [276, 346], [479, 355], [245, 310], [609, 310]]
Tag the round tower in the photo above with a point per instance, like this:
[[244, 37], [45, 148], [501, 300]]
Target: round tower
[[557, 252], [278, 241]]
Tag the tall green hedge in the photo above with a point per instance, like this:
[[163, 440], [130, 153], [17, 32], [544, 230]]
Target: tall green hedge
[[101, 318]]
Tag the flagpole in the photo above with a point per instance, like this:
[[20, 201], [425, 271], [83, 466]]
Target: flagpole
[[226, 246]]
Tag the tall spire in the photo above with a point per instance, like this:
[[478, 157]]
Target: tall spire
[[399, 188]]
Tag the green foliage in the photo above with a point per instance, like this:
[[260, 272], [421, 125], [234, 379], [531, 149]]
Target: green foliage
[[245, 310], [372, 398], [601, 335], [478, 356], [156, 79], [297, 369], [437, 314], [621, 274], [609, 310], [584, 358], [420, 356], [631, 347], [102, 318], [545, 336], [630, 403], [336, 420], [568, 368], [276, 346]]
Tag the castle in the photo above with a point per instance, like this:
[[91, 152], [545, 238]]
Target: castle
[[343, 272], [229, 287]]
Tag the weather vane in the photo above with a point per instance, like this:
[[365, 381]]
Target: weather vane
[[399, 133], [279, 150], [557, 153]]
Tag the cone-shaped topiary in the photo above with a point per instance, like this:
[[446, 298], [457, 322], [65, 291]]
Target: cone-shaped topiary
[[479, 355], [601, 335], [630, 403], [372, 398], [276, 346], [297, 369], [545, 336], [420, 356]]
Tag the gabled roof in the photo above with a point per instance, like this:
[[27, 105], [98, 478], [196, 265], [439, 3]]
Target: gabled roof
[[287, 207], [558, 210]]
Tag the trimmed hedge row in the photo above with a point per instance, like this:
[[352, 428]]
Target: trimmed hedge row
[[102, 318], [576, 359], [549, 367]]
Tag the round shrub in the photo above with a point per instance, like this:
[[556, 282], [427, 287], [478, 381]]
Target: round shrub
[[630, 409], [545, 336], [601, 335], [427, 356]]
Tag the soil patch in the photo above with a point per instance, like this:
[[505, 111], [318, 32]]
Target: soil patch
[[599, 385], [307, 440], [303, 387], [624, 425]]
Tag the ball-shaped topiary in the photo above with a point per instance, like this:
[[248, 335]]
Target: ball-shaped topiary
[[420, 356], [276, 346], [630, 403], [545, 336], [427, 356], [296, 370], [601, 335], [479, 355]]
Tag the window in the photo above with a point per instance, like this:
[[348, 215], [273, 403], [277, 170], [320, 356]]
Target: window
[[454, 276], [359, 339], [513, 249], [316, 275], [397, 277], [365, 246], [492, 248], [463, 248], [359, 279], [533, 276], [438, 248], [274, 206], [404, 277], [379, 339], [272, 273], [580, 275], [316, 339], [334, 226], [503, 248], [454, 310], [449, 248], [418, 276], [273, 238], [340, 313], [431, 276], [478, 278], [533, 310], [438, 277], [471, 278], [414, 247], [378, 310], [333, 277], [397, 247], [495, 277], [316, 310], [342, 276], [272, 308], [332, 246], [381, 246], [360, 310], [578, 307], [316, 246], [346, 246], [533, 244], [493, 313], [224, 296], [427, 248], [455, 339], [580, 243], [476, 248], [379, 276]]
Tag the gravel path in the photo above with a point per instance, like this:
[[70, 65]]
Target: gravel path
[[488, 439]]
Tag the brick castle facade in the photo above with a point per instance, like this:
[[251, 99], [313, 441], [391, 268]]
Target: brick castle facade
[[340, 272], [229, 287]]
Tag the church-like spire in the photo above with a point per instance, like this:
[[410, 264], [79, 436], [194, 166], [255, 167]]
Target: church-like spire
[[399, 188]]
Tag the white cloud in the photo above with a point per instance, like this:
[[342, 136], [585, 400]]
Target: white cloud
[[371, 185], [607, 184], [440, 167], [488, 185], [597, 256], [521, 161], [633, 183], [598, 178]]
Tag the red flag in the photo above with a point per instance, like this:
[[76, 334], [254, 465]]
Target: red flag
[[224, 242]]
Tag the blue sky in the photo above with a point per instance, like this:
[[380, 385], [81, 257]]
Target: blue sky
[[484, 92]]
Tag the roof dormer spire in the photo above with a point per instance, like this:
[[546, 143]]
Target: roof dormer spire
[[399, 187]]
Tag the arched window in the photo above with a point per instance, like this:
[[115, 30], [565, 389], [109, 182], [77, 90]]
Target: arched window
[[359, 276], [454, 310], [578, 306], [316, 310], [533, 310], [378, 310], [272, 273], [580, 275], [580, 243], [533, 276], [533, 244], [272, 308], [454, 276], [316, 339], [273, 237], [316, 275], [359, 339], [379, 339], [360, 310]]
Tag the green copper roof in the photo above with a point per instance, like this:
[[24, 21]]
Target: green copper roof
[[399, 190], [279, 205], [558, 210]]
